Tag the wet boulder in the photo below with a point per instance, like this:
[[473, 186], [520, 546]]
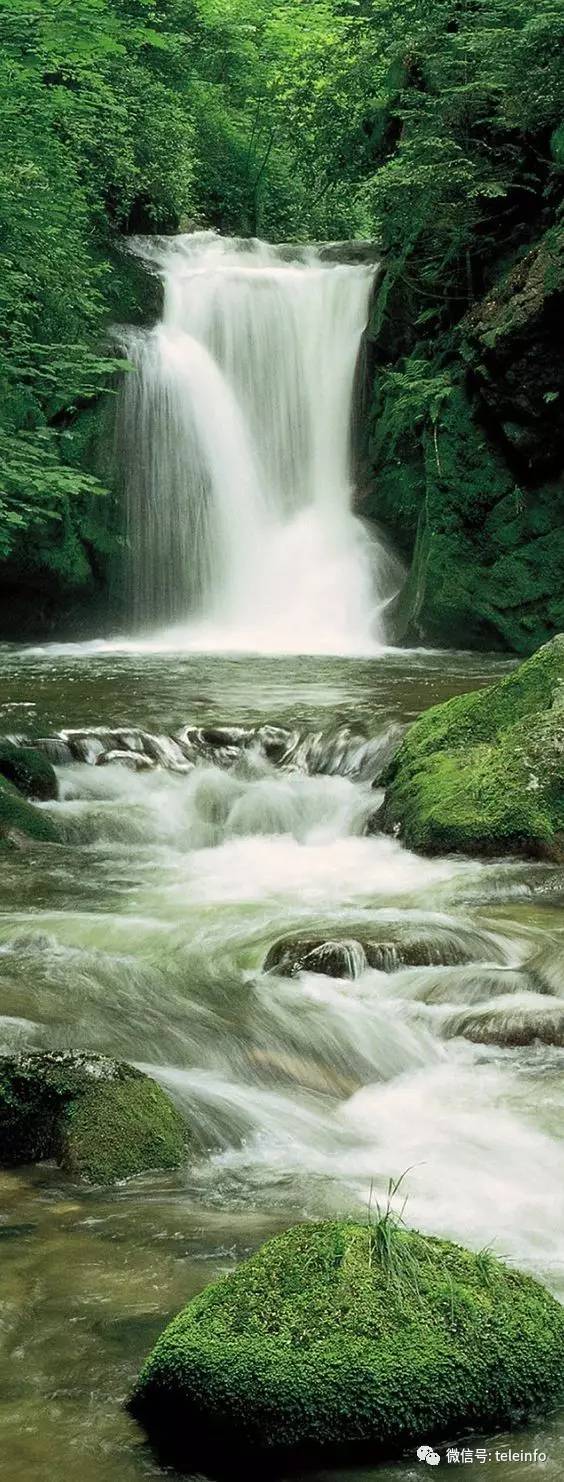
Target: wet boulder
[[484, 773], [334, 959], [29, 770], [100, 1119], [515, 1021], [343, 956], [134, 761], [349, 1340]]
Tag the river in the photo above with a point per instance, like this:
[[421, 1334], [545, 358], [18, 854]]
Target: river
[[145, 937]]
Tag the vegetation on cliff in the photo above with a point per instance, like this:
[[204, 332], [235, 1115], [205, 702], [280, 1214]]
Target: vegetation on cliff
[[436, 127], [484, 773], [341, 1335], [467, 449]]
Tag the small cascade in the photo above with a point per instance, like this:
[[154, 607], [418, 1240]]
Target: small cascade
[[236, 440], [337, 752]]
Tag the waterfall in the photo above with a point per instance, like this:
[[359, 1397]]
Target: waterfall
[[235, 426]]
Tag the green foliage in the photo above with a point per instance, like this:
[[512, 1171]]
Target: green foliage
[[435, 127], [469, 176], [484, 773], [329, 1339]]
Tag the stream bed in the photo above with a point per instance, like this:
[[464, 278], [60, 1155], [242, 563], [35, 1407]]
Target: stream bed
[[145, 937]]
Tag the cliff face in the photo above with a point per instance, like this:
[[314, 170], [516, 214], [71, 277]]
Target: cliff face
[[473, 490]]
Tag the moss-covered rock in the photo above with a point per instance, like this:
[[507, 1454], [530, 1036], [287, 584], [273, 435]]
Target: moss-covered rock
[[484, 773], [100, 1119], [344, 1338], [474, 495], [29, 770], [20, 816]]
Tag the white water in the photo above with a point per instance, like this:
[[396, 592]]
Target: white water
[[237, 452], [149, 935]]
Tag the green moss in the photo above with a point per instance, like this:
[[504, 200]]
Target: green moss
[[29, 770], [16, 813], [121, 1128], [472, 491], [101, 1119], [339, 1336], [484, 773]]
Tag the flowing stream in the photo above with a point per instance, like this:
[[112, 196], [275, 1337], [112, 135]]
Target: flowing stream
[[329, 1011], [146, 935], [236, 442]]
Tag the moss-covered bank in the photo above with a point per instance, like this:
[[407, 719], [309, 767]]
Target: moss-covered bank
[[340, 1337], [100, 1119], [484, 773]]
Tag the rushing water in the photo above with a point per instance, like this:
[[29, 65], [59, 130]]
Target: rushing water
[[235, 427], [145, 936]]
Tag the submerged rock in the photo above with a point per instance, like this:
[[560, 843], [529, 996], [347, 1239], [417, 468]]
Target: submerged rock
[[484, 773], [346, 1339], [100, 1119]]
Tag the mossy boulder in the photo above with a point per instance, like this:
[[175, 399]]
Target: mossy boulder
[[344, 1339], [29, 770], [18, 817], [100, 1119], [484, 773]]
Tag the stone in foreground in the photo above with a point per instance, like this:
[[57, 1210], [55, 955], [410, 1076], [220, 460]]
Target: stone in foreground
[[484, 773], [346, 1340], [100, 1119]]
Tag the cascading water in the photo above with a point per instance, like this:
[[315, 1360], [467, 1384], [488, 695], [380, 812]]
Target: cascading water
[[236, 441]]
